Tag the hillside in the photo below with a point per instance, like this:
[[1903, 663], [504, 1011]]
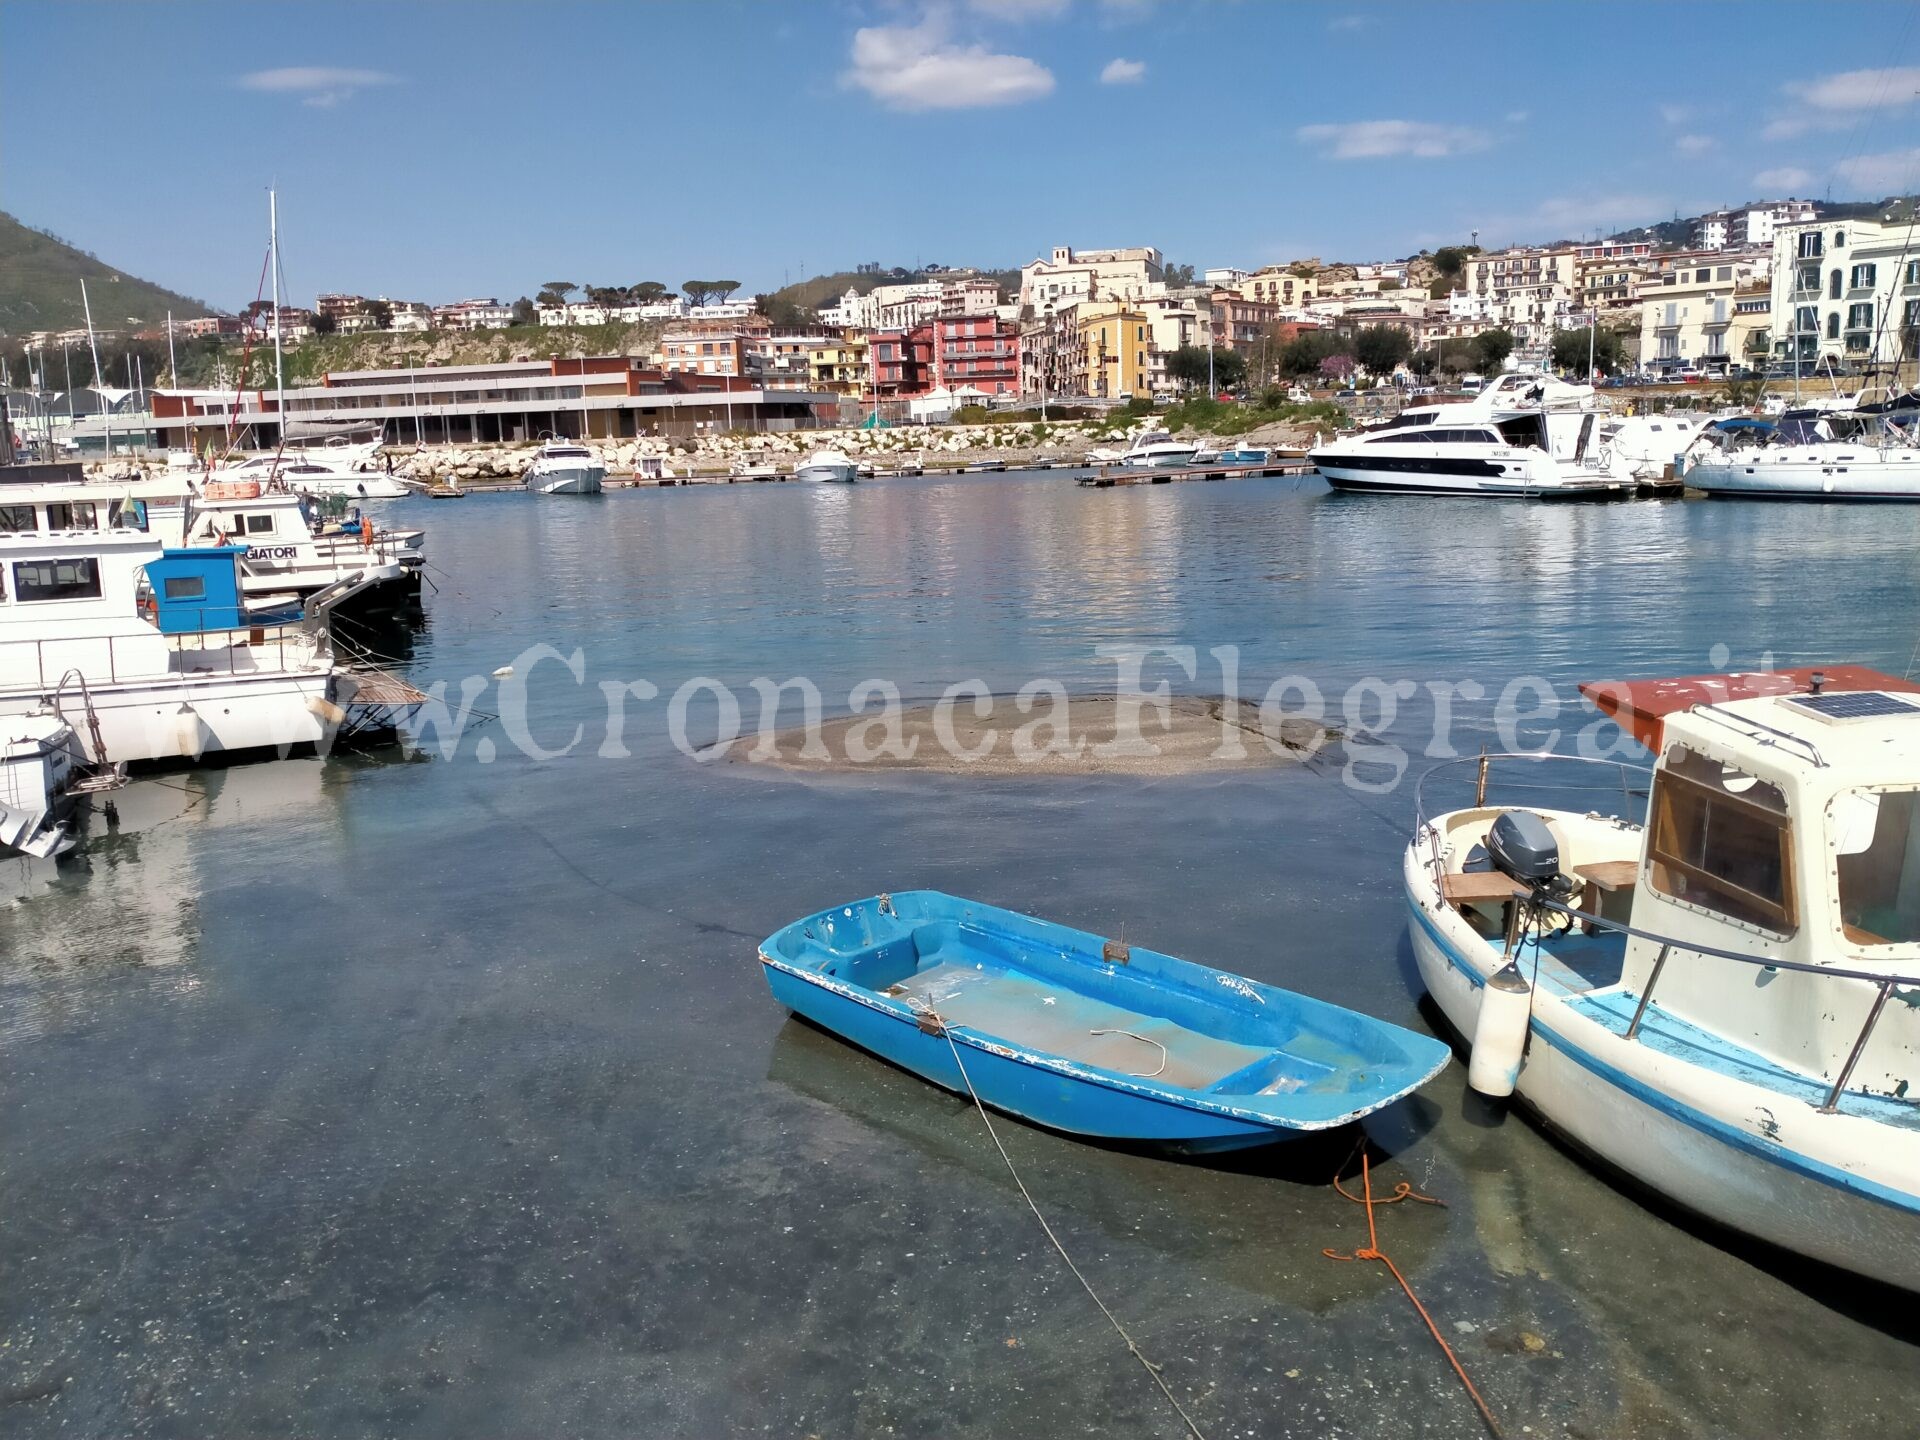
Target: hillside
[[818, 290], [40, 287]]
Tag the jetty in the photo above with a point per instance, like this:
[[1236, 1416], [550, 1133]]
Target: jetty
[[1108, 476]]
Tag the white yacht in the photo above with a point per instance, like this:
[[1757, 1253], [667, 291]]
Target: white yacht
[[828, 466], [1702, 999], [311, 476], [565, 467], [1820, 455], [152, 654], [1524, 435], [1156, 449]]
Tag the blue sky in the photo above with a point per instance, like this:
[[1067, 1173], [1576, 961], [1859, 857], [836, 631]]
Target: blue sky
[[437, 151]]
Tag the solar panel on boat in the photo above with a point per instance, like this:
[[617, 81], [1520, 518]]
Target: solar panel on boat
[[1856, 705]]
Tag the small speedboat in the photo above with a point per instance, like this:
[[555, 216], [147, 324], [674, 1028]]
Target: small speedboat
[[1244, 455], [829, 466], [564, 467], [1087, 1035], [1156, 449], [309, 476]]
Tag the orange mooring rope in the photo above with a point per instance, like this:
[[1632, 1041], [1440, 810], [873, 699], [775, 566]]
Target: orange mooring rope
[[1405, 1191]]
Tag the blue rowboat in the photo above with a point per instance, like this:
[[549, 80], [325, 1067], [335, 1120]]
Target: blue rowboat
[[1087, 1035]]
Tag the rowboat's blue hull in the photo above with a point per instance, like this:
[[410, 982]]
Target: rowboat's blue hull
[[1145, 1048]]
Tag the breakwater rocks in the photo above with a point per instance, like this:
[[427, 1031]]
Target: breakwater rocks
[[944, 446]]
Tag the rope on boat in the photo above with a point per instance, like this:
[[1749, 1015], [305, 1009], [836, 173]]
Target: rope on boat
[[1144, 1040], [1372, 1251], [1112, 1319]]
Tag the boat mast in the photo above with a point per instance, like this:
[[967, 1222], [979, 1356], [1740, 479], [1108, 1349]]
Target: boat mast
[[279, 368], [99, 385]]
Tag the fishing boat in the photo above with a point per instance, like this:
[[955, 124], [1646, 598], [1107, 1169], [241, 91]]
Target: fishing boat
[[1083, 1034], [1718, 997], [564, 467], [301, 544], [827, 466]]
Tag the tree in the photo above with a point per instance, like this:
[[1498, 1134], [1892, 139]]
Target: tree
[[648, 292], [1229, 368], [1177, 277], [1491, 348], [555, 292], [1336, 367], [523, 313], [324, 324], [708, 292], [1302, 355], [783, 313], [1188, 365], [1382, 348], [379, 314], [1570, 350], [1424, 362]]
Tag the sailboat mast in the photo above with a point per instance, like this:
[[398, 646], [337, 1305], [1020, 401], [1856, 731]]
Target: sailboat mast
[[279, 367], [98, 383]]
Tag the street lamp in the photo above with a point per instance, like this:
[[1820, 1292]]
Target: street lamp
[[1046, 357]]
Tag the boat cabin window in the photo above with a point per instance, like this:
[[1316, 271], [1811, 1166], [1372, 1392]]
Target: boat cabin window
[[16, 518], [1721, 839], [75, 515], [1876, 834], [1525, 430], [259, 524], [185, 587], [56, 579]]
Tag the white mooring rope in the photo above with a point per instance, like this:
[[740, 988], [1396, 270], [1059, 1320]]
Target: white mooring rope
[[1151, 1368]]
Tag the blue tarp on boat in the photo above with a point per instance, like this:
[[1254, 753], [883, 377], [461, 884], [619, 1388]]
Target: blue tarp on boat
[[1075, 1032]]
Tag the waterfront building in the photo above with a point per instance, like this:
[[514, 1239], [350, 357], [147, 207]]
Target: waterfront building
[[1846, 291], [1107, 350], [1701, 309], [1276, 285], [902, 362], [1238, 323], [975, 351], [840, 365], [1608, 276], [1174, 322], [1070, 276]]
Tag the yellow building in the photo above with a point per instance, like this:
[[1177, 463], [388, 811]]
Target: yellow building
[[1111, 355], [841, 366], [1277, 285]]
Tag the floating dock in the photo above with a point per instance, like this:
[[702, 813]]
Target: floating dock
[[1108, 476]]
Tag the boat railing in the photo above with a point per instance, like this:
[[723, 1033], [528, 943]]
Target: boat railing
[[55, 659], [1885, 985]]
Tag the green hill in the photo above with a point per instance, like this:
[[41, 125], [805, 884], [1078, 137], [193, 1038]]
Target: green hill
[[40, 277]]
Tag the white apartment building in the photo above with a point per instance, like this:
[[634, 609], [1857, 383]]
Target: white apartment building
[[1751, 226], [1845, 290], [1700, 309], [1530, 289], [1173, 322], [1070, 276]]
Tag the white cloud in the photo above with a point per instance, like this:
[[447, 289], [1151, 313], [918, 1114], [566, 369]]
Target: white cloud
[[317, 85], [1123, 72], [1349, 22], [1375, 139], [1695, 144], [1881, 174], [1674, 114], [1787, 179], [1518, 117], [916, 67], [1021, 9], [1834, 102]]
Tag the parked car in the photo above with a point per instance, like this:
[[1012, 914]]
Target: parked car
[[1341, 397]]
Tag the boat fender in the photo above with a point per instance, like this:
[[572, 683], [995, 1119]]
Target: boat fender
[[1500, 1032]]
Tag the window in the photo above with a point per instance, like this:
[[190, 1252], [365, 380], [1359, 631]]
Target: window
[[259, 524], [1833, 285], [184, 587], [1876, 834], [1860, 317], [16, 518], [1720, 839], [1839, 238], [56, 579], [1725, 272], [1833, 326], [1913, 272], [78, 515], [1702, 275], [1809, 244], [1862, 277]]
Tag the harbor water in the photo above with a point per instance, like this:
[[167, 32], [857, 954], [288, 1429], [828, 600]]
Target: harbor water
[[435, 1090]]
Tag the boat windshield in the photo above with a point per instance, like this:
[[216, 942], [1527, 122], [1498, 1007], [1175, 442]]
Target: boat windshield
[[1876, 839], [1721, 840], [567, 452]]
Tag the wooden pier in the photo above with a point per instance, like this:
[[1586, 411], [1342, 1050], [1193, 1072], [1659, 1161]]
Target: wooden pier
[[1108, 476]]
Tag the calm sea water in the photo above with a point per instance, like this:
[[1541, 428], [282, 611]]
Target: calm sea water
[[400, 1093]]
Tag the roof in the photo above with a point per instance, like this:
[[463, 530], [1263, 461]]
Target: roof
[[1642, 706]]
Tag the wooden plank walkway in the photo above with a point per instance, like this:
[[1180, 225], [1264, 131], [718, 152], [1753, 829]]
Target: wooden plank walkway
[[1109, 476]]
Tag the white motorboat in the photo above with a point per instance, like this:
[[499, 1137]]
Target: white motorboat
[[1525, 435], [152, 654], [312, 476], [565, 467], [1156, 449], [1820, 456], [828, 466], [40, 767], [1702, 1000], [745, 469]]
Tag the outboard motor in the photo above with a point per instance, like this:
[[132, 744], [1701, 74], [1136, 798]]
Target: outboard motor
[[1521, 847]]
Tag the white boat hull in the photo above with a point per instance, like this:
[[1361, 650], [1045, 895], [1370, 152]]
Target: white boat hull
[[350, 487], [1690, 1134], [827, 474], [183, 718], [1528, 478], [570, 480], [1861, 475]]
